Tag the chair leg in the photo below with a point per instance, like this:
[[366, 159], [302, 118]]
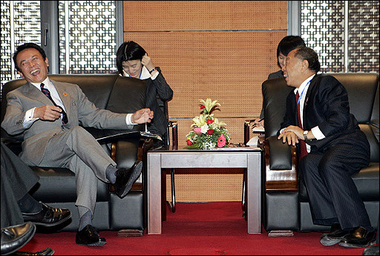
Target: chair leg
[[173, 208], [243, 202], [172, 205]]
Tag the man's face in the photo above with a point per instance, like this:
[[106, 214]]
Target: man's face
[[32, 65], [132, 67], [293, 70]]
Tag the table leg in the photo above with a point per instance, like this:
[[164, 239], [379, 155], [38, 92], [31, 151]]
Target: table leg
[[253, 187], [154, 193]]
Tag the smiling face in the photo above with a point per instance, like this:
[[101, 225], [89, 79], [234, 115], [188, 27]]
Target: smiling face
[[132, 67], [32, 65], [294, 70]]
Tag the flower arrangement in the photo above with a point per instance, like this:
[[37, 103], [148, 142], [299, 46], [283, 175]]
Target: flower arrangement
[[207, 132]]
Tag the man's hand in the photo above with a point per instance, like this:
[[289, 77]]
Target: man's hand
[[141, 116], [47, 113], [291, 134]]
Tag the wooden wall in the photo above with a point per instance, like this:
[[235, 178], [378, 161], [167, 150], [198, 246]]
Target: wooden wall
[[221, 50]]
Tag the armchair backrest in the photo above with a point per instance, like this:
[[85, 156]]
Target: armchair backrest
[[363, 94]]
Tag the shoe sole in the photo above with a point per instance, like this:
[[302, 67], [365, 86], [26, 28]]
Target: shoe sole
[[30, 234], [99, 243], [347, 245], [330, 242], [136, 173], [52, 224]]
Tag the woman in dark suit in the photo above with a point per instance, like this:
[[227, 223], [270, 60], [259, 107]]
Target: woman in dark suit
[[133, 61]]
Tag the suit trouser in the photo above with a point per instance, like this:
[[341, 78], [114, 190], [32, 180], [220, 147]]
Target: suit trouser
[[332, 192], [16, 180], [77, 150]]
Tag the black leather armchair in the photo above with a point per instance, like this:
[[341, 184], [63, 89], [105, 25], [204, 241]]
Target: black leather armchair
[[57, 185], [286, 206]]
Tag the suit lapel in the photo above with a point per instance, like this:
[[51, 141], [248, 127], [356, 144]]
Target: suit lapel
[[306, 104], [36, 94], [64, 95]]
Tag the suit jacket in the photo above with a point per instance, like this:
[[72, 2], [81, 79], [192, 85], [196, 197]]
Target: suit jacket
[[276, 74], [80, 111], [326, 106], [158, 90]]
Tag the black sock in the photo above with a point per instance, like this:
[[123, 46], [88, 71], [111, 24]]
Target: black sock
[[111, 173], [28, 204]]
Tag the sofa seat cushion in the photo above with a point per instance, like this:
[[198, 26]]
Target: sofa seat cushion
[[367, 182], [59, 185]]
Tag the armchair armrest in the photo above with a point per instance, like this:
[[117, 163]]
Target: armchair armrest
[[280, 165], [174, 127]]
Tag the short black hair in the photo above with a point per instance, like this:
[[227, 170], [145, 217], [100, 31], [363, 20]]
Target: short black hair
[[25, 46], [288, 44], [128, 51], [306, 53]]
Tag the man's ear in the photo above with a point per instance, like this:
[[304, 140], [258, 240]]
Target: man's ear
[[305, 65], [21, 74]]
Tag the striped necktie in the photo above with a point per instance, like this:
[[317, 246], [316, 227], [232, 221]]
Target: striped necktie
[[47, 93]]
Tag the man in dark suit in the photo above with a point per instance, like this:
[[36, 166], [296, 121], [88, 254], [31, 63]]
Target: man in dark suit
[[20, 212], [50, 116], [331, 149]]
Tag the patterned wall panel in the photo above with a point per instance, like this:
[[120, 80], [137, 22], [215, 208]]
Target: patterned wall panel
[[363, 47], [323, 27], [23, 27], [91, 36]]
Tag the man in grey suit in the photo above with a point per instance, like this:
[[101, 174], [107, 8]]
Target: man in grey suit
[[48, 114]]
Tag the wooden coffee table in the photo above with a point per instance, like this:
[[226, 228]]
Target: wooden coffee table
[[244, 157]]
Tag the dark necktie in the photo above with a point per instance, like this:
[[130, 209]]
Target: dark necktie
[[47, 93], [303, 150]]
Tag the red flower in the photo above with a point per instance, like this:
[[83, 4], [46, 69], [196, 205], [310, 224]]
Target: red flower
[[202, 107], [221, 141], [189, 142], [210, 131], [209, 121]]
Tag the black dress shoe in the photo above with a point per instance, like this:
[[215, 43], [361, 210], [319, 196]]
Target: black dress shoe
[[335, 236], [89, 236], [15, 237], [126, 178], [48, 216], [47, 251], [358, 238]]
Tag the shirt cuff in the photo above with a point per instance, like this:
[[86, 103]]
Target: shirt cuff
[[128, 120], [155, 74], [28, 118], [318, 134]]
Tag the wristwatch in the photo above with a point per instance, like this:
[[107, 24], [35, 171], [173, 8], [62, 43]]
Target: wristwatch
[[305, 134]]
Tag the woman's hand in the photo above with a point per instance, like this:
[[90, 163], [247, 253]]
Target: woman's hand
[[147, 62]]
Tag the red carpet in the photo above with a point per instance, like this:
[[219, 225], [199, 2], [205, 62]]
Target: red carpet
[[195, 229]]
